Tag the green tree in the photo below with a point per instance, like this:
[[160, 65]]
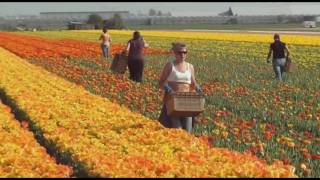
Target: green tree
[[118, 22], [96, 20], [149, 22], [152, 12], [115, 22], [108, 23], [227, 13], [280, 18]]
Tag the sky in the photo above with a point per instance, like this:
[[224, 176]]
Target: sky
[[176, 8]]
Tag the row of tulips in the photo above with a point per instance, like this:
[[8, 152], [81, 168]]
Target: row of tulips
[[20, 154], [243, 37], [114, 142], [60, 49], [91, 73], [76, 75], [304, 50]]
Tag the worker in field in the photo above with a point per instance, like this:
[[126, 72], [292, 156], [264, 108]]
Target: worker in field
[[134, 49], [177, 76], [278, 48], [105, 43]]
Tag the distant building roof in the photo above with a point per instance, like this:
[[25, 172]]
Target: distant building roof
[[75, 22], [86, 12]]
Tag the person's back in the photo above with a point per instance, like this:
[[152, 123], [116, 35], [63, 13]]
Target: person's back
[[105, 39], [135, 56], [278, 48], [105, 42], [136, 49]]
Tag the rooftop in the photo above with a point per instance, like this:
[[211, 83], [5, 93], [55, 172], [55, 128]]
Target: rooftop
[[86, 12]]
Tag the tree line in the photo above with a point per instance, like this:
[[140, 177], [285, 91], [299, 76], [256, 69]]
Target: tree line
[[115, 22]]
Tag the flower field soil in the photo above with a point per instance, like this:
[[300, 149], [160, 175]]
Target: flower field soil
[[20, 154], [111, 140], [246, 109]]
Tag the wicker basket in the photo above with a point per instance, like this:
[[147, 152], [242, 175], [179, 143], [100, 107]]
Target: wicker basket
[[119, 63], [184, 104], [289, 66]]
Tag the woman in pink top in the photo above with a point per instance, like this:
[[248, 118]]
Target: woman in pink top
[[177, 76]]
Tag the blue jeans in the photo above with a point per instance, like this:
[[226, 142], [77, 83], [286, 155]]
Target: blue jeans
[[105, 50], [175, 122], [278, 67]]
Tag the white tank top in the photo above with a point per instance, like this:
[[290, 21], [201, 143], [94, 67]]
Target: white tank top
[[176, 76]]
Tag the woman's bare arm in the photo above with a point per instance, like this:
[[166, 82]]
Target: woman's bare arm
[[128, 47], [269, 54], [110, 40], [193, 79], [164, 75], [287, 49], [145, 44]]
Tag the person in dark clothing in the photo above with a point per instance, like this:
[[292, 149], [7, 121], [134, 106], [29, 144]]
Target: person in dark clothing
[[278, 48], [135, 56]]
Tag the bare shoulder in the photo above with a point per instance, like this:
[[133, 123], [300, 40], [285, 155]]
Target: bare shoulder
[[168, 65], [191, 66], [166, 70]]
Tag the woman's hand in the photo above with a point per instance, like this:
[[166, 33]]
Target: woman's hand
[[167, 89], [125, 52], [198, 89]]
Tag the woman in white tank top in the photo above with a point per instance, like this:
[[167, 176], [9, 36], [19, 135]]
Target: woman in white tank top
[[177, 76]]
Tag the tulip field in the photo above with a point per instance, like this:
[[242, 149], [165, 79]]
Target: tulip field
[[89, 122]]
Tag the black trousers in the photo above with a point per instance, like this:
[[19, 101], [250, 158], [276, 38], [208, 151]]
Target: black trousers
[[136, 69]]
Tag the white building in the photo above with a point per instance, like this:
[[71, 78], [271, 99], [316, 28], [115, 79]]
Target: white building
[[309, 24], [82, 16]]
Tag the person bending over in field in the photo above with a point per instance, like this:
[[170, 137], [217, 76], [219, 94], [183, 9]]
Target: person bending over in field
[[105, 43], [135, 56], [278, 48], [177, 76]]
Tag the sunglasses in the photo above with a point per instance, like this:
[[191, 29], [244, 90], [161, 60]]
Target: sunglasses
[[182, 52]]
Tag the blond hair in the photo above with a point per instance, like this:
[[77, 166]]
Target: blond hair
[[176, 46]]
